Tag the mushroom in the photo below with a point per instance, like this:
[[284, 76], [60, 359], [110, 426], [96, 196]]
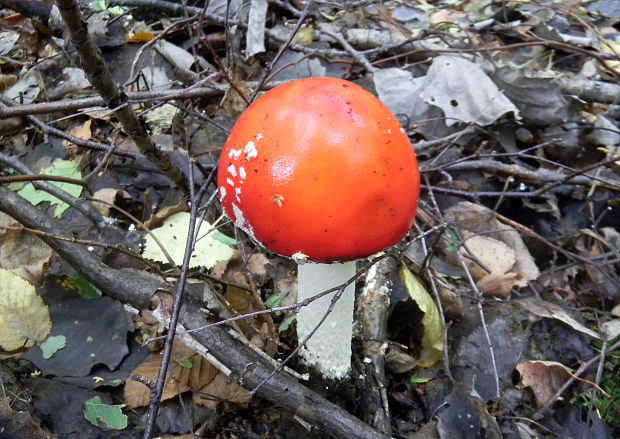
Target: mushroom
[[319, 170]]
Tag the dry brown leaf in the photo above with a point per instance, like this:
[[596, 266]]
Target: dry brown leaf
[[158, 218], [482, 220], [257, 265], [232, 103], [544, 378], [286, 288], [498, 285], [222, 389], [494, 255], [81, 131], [187, 371], [108, 195], [24, 254], [545, 309]]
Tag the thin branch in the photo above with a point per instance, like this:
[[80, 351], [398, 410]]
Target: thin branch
[[99, 76]]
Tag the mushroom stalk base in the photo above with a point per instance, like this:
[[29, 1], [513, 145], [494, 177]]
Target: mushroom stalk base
[[329, 348]]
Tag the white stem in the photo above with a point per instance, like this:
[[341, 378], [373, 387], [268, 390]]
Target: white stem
[[329, 348]]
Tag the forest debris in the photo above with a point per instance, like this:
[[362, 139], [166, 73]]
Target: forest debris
[[23, 253], [187, 371], [81, 131], [222, 389], [432, 343], [474, 219], [466, 416], [544, 378], [550, 310], [24, 318], [255, 37], [464, 92], [173, 235]]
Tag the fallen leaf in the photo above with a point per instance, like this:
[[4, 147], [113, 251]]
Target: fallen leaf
[[173, 236], [498, 285], [544, 378], [551, 310], [222, 389], [495, 256], [187, 371], [476, 219], [104, 415], [24, 254], [24, 318], [59, 168], [108, 195], [432, 341], [81, 131]]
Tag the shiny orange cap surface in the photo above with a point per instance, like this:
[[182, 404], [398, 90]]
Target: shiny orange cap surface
[[319, 167]]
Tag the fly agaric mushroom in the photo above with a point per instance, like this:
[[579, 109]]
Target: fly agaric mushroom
[[320, 170]]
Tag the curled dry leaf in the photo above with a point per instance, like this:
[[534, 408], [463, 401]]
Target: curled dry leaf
[[550, 310], [544, 378], [472, 219], [222, 390], [187, 371]]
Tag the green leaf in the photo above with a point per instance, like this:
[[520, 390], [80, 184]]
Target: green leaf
[[219, 236], [60, 168], [98, 5], [52, 345], [83, 287], [286, 323], [186, 363], [416, 379], [104, 415], [273, 301], [432, 340], [450, 240]]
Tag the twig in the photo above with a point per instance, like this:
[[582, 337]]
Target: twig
[[99, 76], [357, 56], [84, 208], [265, 74], [178, 300]]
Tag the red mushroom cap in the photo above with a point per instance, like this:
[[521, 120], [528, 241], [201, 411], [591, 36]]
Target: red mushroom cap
[[319, 167]]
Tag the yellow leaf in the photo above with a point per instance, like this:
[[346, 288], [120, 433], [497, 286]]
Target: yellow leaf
[[24, 318], [432, 340], [173, 235]]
